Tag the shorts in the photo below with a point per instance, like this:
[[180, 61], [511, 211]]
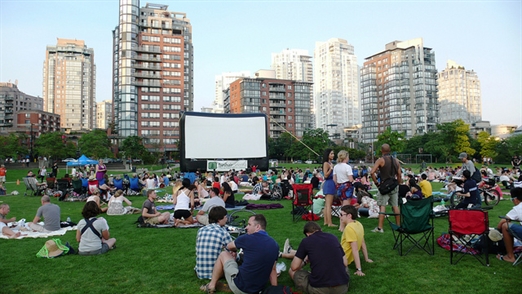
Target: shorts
[[515, 230], [230, 269], [392, 198], [2, 225], [104, 249], [2, 179], [152, 220], [302, 283], [203, 219], [182, 213]]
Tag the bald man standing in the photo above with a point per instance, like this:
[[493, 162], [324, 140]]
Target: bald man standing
[[388, 167]]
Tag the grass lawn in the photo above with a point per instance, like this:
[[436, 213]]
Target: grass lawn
[[162, 260]]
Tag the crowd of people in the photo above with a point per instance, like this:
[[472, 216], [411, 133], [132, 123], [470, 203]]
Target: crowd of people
[[248, 262]]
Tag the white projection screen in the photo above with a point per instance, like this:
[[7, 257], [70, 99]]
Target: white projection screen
[[210, 136]]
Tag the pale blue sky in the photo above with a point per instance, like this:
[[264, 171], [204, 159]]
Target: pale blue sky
[[484, 36]]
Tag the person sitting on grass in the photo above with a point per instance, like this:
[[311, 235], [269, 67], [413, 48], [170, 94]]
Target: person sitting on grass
[[184, 204], [327, 263], [4, 210], [93, 233], [509, 228], [352, 239], [116, 204], [150, 214], [95, 197], [214, 200], [425, 186], [51, 214], [228, 196], [210, 241]]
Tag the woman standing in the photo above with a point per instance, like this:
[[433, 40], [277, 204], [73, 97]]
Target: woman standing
[[343, 178], [184, 202], [93, 233], [101, 169], [328, 186]]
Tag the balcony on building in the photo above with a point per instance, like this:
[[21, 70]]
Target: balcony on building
[[147, 83], [146, 67], [147, 75], [148, 58], [148, 49], [277, 88]]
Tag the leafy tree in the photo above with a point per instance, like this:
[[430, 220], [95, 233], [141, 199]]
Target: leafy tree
[[455, 135], [95, 144], [133, 147], [14, 145], [395, 139], [51, 145], [313, 141], [509, 147], [487, 144]]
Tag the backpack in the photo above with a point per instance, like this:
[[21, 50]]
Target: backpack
[[276, 193], [476, 176]]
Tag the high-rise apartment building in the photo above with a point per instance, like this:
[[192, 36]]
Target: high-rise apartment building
[[222, 83], [285, 102], [293, 64], [399, 90], [12, 102], [69, 84], [153, 73], [336, 86], [103, 114], [459, 94]]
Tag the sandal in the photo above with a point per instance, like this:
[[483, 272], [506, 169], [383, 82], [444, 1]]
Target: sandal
[[207, 289], [502, 257]]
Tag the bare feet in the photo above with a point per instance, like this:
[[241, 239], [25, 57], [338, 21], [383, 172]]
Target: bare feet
[[506, 258]]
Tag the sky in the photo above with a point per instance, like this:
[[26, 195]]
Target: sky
[[241, 35]]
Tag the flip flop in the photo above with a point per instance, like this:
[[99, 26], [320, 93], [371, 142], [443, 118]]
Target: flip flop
[[206, 289], [501, 257]]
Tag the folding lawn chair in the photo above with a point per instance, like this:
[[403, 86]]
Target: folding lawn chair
[[30, 186], [466, 227], [50, 182], [416, 226], [336, 206], [63, 186], [78, 186], [302, 198]]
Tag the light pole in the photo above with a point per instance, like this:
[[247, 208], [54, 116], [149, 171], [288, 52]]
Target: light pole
[[32, 143]]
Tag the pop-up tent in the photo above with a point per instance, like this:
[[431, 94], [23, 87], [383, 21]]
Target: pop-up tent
[[83, 160]]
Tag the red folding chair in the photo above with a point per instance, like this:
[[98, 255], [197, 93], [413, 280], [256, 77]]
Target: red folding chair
[[466, 227], [302, 198]]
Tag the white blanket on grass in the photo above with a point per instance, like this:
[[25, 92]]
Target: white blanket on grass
[[28, 233]]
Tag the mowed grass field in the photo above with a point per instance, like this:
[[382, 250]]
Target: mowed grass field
[[149, 260]]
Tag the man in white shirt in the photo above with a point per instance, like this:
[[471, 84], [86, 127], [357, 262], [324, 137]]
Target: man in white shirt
[[512, 226], [214, 200]]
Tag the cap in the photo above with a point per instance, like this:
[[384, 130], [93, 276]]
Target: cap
[[463, 155]]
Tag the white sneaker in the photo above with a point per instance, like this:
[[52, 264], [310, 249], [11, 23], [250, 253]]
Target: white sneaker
[[378, 230], [286, 247]]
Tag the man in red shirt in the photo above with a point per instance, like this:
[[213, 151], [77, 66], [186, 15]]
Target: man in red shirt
[[3, 170]]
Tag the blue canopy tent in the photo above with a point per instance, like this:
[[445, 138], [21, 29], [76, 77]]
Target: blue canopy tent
[[83, 160]]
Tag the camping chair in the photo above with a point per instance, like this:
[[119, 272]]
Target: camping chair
[[30, 185], [302, 198], [118, 184], [467, 226], [518, 259], [78, 186], [134, 185], [336, 206], [63, 186], [50, 182], [416, 226], [93, 186]]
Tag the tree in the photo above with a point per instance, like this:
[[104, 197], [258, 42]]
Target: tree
[[51, 146], [313, 141], [95, 144], [11, 145], [133, 147], [487, 144], [395, 139], [455, 135]]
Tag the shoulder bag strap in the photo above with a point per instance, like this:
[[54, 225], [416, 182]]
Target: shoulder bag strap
[[89, 224]]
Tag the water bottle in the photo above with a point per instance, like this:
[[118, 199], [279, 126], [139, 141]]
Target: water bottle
[[442, 202], [68, 219]]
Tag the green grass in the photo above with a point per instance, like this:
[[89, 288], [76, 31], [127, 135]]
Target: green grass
[[162, 260]]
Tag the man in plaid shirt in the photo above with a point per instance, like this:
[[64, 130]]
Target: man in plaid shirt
[[210, 241]]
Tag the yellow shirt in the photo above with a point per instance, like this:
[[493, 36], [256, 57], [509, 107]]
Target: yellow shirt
[[426, 189], [353, 232]]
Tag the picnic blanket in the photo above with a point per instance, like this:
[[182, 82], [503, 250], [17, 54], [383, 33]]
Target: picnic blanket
[[264, 206], [28, 233]]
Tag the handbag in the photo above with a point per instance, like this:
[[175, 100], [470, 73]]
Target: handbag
[[389, 184]]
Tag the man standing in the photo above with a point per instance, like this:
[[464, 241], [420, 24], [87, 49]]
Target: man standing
[[466, 164], [4, 210], [210, 241], [388, 167], [3, 171], [327, 261], [150, 214], [51, 216], [260, 253], [214, 200]]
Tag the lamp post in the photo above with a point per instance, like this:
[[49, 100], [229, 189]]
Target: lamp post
[[32, 143]]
